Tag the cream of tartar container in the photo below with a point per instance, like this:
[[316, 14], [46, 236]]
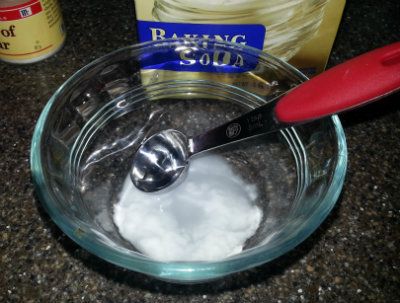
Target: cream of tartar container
[[30, 31]]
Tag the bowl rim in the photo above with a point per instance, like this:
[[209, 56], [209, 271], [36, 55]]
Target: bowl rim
[[182, 272]]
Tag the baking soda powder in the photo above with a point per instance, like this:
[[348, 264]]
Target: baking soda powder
[[209, 216]]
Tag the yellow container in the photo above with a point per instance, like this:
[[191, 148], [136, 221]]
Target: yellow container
[[299, 31], [30, 30]]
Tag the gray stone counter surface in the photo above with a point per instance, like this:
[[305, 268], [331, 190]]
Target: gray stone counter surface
[[352, 257]]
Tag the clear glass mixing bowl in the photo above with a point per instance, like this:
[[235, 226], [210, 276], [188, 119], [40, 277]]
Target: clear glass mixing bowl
[[88, 132]]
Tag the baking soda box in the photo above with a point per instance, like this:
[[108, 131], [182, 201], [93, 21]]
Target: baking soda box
[[300, 32]]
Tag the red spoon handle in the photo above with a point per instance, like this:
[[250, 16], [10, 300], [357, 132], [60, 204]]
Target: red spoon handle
[[353, 83]]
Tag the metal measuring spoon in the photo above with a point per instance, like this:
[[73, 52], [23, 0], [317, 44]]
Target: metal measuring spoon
[[162, 158]]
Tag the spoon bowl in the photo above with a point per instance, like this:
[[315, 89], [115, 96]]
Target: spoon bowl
[[160, 160]]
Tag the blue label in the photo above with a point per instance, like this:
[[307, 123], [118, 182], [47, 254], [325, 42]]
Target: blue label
[[215, 59]]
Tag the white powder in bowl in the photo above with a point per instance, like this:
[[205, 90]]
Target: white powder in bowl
[[208, 216]]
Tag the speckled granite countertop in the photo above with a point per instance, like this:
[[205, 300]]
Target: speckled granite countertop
[[352, 257]]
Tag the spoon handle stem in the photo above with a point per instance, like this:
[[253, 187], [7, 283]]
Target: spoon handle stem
[[258, 121]]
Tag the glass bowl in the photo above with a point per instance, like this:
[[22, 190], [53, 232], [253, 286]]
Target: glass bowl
[[88, 132]]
